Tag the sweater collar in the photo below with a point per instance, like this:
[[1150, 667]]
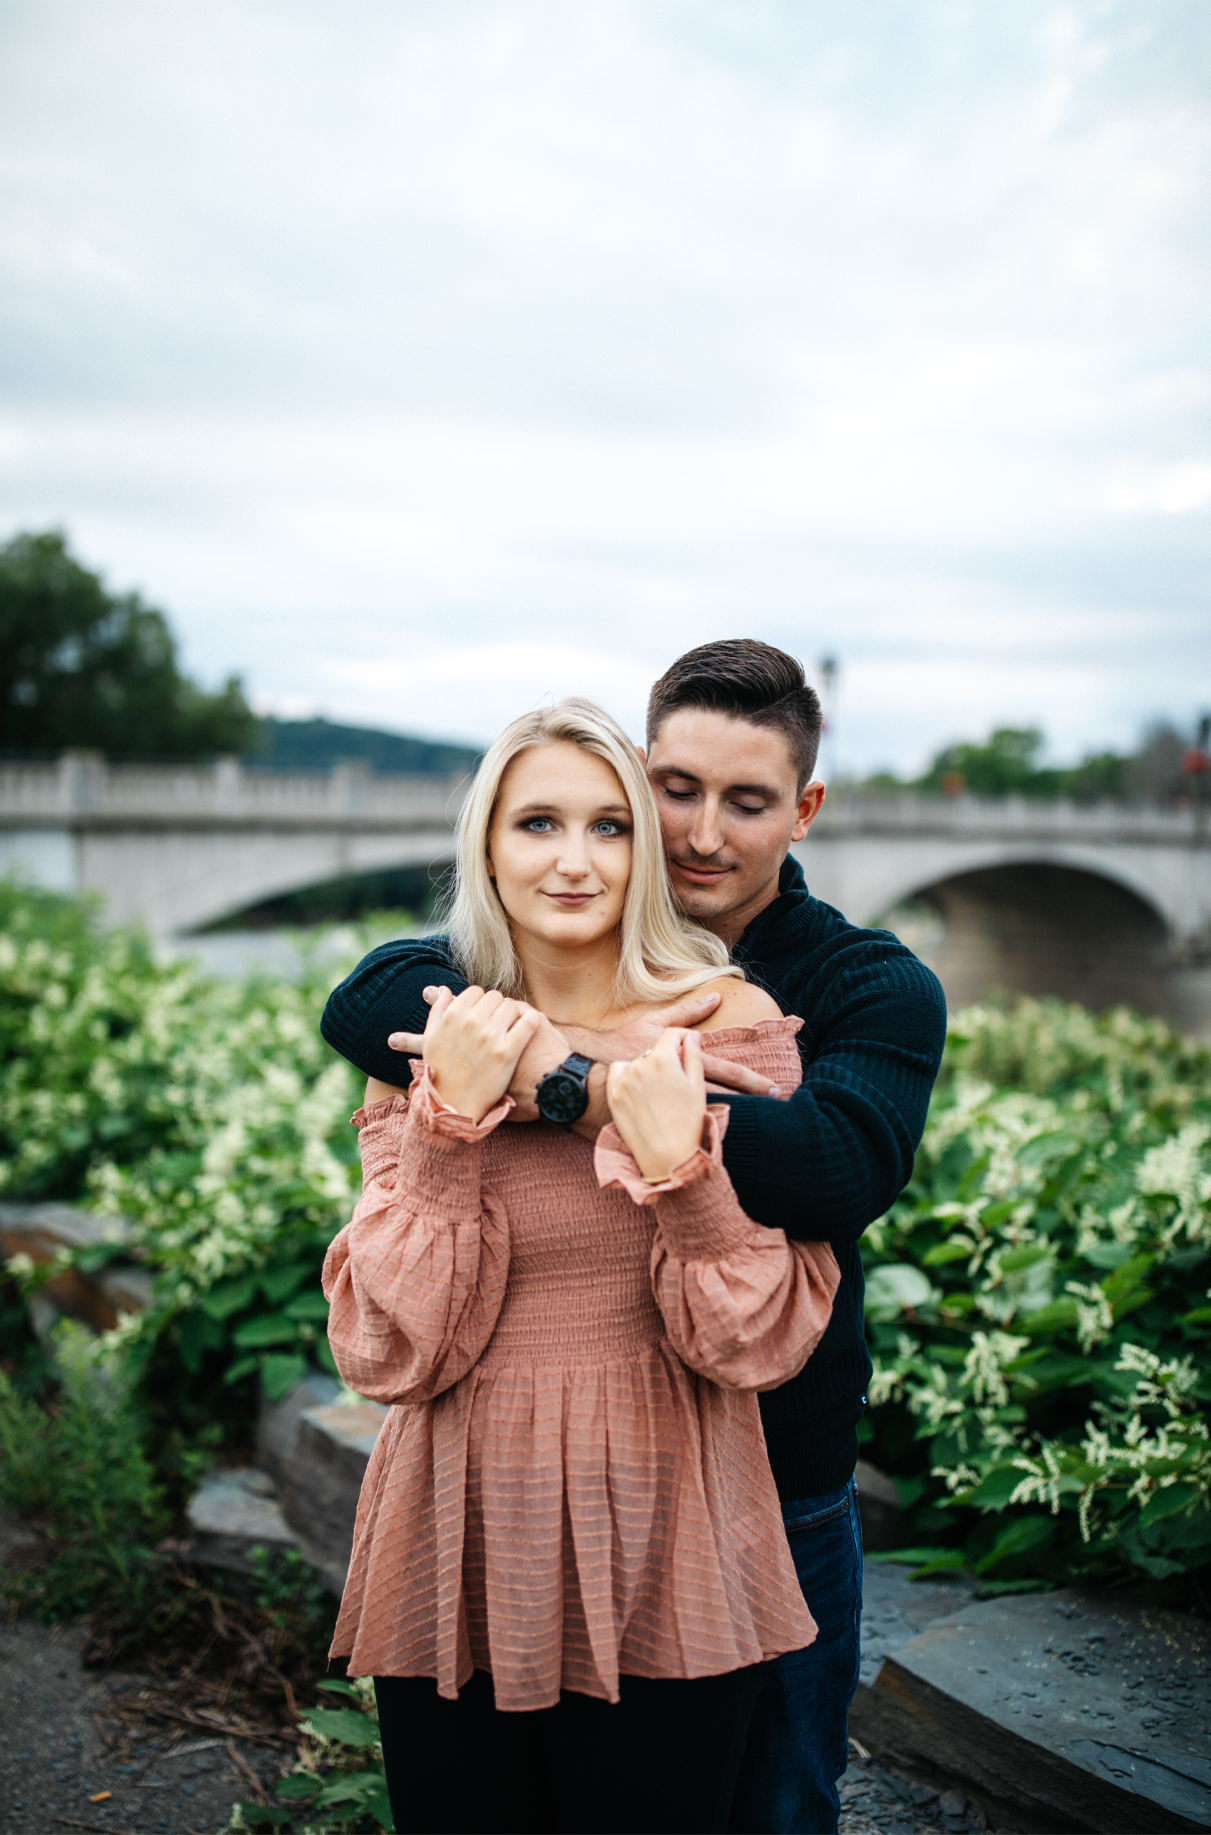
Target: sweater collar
[[792, 891]]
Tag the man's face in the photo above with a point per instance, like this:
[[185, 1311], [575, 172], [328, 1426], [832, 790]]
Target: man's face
[[729, 810]]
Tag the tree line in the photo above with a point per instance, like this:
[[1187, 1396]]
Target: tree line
[[83, 667]]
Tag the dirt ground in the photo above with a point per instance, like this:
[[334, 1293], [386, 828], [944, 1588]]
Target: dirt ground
[[55, 1761], [63, 1747]]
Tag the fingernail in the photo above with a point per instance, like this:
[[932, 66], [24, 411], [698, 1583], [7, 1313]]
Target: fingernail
[[395, 1040], [774, 1090]]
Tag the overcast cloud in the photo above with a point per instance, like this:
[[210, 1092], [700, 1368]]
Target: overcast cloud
[[423, 359]]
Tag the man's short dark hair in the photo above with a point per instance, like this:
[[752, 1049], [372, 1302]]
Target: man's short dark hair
[[747, 680]]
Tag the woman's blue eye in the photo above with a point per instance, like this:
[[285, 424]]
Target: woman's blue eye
[[537, 824], [610, 828]]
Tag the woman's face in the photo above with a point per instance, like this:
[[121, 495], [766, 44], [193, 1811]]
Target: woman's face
[[560, 845]]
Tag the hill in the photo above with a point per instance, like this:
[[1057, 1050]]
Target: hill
[[317, 745]]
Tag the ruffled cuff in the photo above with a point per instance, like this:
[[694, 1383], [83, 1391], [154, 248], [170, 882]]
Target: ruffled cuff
[[615, 1164], [380, 1127], [437, 1117]]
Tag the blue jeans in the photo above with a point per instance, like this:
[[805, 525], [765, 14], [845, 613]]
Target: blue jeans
[[797, 1744]]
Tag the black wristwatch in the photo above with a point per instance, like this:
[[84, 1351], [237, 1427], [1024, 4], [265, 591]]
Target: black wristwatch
[[562, 1095]]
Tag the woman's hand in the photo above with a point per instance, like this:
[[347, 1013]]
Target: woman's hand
[[658, 1102], [471, 1045]]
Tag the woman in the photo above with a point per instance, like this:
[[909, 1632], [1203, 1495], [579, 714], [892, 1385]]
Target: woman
[[568, 1524]]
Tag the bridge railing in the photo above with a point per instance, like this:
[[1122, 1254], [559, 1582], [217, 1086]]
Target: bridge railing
[[845, 814], [83, 789]]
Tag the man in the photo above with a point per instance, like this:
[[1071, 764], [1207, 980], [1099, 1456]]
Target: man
[[732, 734]]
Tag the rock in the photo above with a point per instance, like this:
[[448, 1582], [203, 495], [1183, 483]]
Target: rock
[[278, 1422], [895, 1610], [42, 1230], [1062, 1710], [879, 1508], [316, 1443], [234, 1511]]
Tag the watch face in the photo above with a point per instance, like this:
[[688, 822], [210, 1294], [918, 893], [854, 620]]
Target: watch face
[[562, 1099]]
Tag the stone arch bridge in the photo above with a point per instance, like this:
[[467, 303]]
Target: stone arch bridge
[[1100, 903]]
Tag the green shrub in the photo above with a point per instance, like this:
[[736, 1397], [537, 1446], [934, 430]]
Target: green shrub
[[1038, 1306], [343, 1786], [210, 1113], [81, 1473]]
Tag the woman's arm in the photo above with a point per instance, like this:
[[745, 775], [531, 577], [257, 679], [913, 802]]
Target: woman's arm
[[741, 1304], [416, 1280]]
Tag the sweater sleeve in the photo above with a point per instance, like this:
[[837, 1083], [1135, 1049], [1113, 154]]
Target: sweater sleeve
[[385, 994], [741, 1305], [835, 1155], [415, 1280]]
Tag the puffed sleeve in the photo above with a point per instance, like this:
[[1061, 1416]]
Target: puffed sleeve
[[741, 1304], [416, 1278]]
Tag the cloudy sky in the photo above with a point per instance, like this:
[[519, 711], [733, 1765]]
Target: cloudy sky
[[422, 358]]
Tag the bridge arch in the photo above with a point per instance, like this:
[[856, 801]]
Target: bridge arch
[[1042, 927]]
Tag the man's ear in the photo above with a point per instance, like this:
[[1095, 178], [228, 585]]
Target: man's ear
[[643, 757], [811, 800]]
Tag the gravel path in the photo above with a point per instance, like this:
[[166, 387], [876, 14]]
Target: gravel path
[[54, 1762]]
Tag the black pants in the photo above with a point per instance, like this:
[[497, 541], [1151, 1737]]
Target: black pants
[[665, 1757]]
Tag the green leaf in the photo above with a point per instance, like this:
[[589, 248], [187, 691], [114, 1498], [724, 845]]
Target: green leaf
[[242, 1367], [1012, 1261], [894, 1286], [266, 1328], [198, 1332], [1019, 1535], [1167, 1502], [950, 1563], [1056, 1317], [352, 1789], [1200, 1316], [336, 1685], [277, 1284], [992, 1588], [231, 1297], [944, 1252], [310, 1305], [257, 1815], [996, 1487], [298, 1784], [343, 1724], [911, 1557], [280, 1373]]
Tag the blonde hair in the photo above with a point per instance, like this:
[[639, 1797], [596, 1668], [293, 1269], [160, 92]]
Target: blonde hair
[[661, 954]]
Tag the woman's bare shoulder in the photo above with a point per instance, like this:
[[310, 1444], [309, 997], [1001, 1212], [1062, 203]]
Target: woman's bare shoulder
[[740, 1004]]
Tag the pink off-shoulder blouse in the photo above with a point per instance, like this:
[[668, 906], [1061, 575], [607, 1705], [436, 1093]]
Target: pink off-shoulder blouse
[[572, 1484]]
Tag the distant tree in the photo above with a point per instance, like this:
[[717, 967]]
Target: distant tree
[[80, 667], [1003, 766]]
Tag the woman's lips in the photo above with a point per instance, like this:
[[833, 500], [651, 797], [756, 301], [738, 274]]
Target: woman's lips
[[573, 900]]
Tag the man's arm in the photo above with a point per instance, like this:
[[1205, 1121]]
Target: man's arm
[[385, 994], [830, 1160], [385, 997]]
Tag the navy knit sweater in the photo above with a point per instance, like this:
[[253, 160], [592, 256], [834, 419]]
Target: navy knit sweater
[[821, 1166]]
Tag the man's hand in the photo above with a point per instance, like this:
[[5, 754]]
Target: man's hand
[[551, 1045], [546, 1050]]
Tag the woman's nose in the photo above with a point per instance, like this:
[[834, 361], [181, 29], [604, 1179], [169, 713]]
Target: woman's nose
[[573, 860]]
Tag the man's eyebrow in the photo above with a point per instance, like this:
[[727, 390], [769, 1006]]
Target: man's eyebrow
[[692, 777]]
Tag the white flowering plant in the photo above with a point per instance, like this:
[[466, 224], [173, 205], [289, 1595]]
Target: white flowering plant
[[210, 1114], [1038, 1308]]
